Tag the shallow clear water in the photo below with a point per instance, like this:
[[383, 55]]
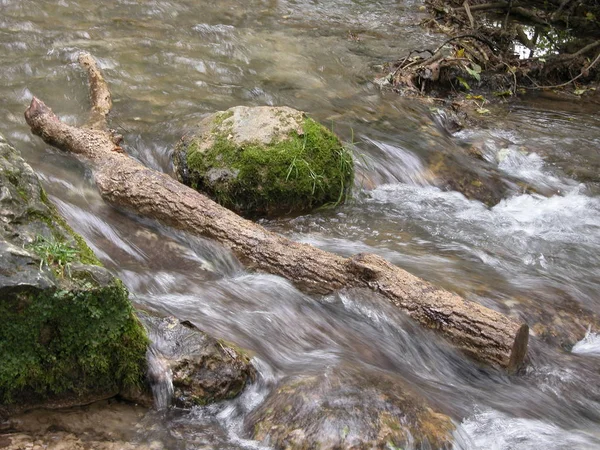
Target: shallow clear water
[[532, 256]]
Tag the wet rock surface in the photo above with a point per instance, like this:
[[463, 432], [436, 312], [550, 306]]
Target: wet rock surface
[[560, 323], [203, 369], [472, 169], [265, 161], [467, 175], [106, 425], [68, 335], [348, 407]]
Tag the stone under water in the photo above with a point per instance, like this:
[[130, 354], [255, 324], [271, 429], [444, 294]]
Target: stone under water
[[348, 407]]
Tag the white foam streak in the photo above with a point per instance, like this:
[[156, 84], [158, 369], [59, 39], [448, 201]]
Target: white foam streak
[[589, 345], [493, 430], [398, 164]]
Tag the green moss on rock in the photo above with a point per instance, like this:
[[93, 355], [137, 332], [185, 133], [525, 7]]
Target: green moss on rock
[[77, 341], [295, 165]]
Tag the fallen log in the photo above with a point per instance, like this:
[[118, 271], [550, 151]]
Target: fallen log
[[486, 335]]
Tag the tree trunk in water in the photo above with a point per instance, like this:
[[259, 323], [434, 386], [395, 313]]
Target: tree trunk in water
[[486, 335]]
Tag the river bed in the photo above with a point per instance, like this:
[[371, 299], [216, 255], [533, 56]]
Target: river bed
[[170, 63]]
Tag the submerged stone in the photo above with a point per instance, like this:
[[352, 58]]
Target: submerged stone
[[203, 369], [557, 319], [105, 425], [465, 174], [265, 161], [68, 333], [347, 407]]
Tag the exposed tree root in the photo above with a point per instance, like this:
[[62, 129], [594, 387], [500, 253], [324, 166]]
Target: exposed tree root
[[484, 334], [480, 55]]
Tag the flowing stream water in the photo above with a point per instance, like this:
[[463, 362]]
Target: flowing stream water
[[169, 63]]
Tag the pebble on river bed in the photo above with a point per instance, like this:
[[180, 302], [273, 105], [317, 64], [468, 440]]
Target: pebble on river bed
[[106, 425]]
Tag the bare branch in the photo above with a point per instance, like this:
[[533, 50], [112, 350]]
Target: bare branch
[[468, 10], [99, 93], [485, 6], [585, 49]]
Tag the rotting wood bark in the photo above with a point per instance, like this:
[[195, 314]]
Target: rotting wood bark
[[486, 335]]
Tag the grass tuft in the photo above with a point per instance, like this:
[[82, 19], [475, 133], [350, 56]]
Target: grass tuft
[[55, 254]]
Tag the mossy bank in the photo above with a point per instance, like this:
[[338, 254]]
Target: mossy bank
[[265, 161], [68, 333]]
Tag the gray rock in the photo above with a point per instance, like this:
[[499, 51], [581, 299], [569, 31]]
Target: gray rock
[[68, 335], [257, 124]]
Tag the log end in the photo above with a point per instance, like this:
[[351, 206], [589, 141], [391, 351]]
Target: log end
[[86, 60], [36, 109], [519, 349], [40, 119]]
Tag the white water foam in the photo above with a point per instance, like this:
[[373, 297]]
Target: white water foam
[[397, 164], [589, 345], [524, 225], [161, 378], [493, 430]]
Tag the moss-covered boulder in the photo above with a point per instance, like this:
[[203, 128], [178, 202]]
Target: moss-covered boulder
[[68, 333], [351, 408], [203, 369], [265, 161]]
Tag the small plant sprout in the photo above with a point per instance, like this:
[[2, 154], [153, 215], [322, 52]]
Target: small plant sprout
[[55, 254]]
